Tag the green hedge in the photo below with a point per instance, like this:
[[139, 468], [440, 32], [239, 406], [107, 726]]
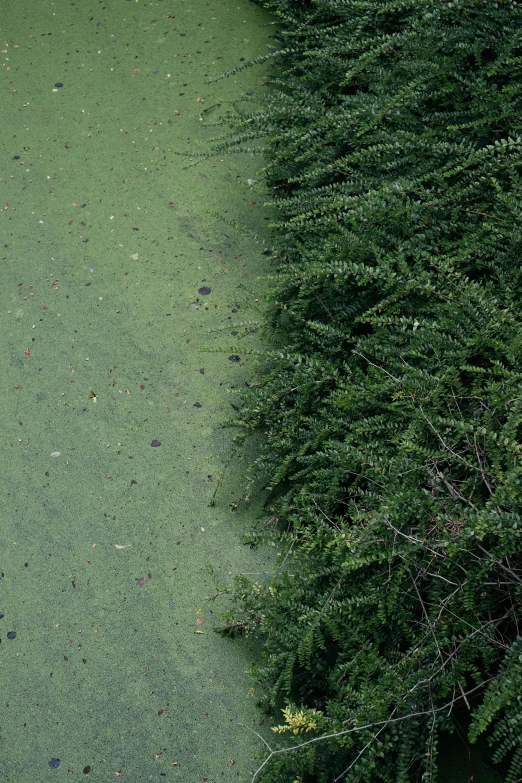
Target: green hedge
[[392, 413]]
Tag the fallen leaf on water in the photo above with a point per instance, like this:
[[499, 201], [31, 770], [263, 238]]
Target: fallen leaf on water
[[135, 256], [199, 631], [122, 546], [141, 581], [27, 353], [199, 621]]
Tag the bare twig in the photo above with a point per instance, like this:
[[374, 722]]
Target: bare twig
[[377, 366], [463, 695]]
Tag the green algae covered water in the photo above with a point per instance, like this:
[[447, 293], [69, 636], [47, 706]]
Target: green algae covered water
[[121, 301]]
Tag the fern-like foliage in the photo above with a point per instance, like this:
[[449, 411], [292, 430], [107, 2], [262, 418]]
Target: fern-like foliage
[[392, 415]]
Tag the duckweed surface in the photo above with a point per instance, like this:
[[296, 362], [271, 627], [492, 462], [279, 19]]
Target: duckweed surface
[[116, 272]]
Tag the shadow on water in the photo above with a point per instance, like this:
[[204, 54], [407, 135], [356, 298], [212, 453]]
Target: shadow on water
[[114, 275], [460, 762]]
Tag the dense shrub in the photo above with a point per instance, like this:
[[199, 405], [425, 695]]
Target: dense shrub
[[392, 414]]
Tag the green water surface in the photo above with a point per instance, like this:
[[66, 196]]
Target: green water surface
[[106, 238]]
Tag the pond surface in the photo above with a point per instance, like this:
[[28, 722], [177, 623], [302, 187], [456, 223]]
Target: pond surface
[[116, 272]]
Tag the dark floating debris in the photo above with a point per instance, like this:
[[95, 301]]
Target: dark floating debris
[[156, 443], [11, 635], [86, 770], [54, 763], [197, 405], [235, 358], [16, 157], [204, 290], [58, 84]]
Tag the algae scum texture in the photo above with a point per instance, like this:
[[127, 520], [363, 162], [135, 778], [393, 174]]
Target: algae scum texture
[[115, 273]]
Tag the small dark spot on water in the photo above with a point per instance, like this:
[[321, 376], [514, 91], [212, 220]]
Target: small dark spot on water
[[11, 635], [88, 284], [250, 92], [234, 310], [134, 228], [133, 482], [234, 358], [142, 385], [141, 581], [58, 84], [1, 574], [204, 290], [234, 332], [16, 157], [86, 770], [25, 565], [155, 443], [83, 223], [2, 615], [202, 371], [54, 763], [197, 405]]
